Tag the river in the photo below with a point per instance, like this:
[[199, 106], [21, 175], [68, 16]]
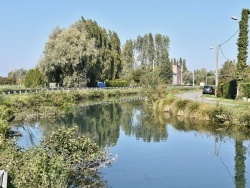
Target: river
[[152, 149]]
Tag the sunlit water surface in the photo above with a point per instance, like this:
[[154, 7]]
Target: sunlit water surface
[[154, 151]]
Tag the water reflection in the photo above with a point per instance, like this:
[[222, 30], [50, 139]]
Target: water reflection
[[104, 124], [220, 132]]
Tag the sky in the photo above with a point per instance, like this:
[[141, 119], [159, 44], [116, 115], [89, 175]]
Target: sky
[[193, 26]]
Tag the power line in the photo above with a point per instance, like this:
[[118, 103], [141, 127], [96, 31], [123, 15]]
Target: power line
[[226, 42], [222, 52], [229, 38]]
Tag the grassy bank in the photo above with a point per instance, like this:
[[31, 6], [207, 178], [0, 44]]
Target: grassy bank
[[31, 106], [237, 114], [162, 99], [63, 158]]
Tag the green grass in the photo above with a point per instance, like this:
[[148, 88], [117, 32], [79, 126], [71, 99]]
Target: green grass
[[223, 100]]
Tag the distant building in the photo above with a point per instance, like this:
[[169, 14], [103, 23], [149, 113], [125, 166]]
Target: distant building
[[176, 75]]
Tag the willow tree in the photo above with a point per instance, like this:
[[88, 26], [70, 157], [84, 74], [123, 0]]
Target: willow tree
[[109, 58], [81, 55], [67, 57], [242, 50]]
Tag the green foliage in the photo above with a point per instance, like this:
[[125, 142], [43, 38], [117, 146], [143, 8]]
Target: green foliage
[[51, 104], [193, 107], [227, 89], [61, 159], [128, 56], [246, 89], [242, 48], [145, 55], [5, 81], [81, 54], [228, 71], [227, 86], [116, 83], [155, 93], [4, 127], [166, 73], [18, 75], [84, 156], [244, 119], [136, 75], [34, 78], [181, 105]]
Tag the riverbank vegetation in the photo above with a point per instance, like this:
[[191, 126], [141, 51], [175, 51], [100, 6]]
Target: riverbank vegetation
[[235, 115], [62, 158], [78, 57], [45, 104]]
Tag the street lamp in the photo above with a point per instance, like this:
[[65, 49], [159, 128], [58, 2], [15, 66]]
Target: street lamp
[[234, 18]]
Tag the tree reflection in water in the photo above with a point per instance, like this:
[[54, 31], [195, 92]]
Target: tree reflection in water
[[103, 123], [220, 132]]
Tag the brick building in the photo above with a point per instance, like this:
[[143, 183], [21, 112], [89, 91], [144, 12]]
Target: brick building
[[176, 75]]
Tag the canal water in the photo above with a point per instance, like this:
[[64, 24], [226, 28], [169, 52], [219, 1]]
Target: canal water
[[152, 149]]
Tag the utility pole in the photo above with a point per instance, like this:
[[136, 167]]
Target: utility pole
[[216, 71], [181, 72], [193, 79]]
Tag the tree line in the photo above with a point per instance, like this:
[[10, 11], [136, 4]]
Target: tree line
[[85, 53]]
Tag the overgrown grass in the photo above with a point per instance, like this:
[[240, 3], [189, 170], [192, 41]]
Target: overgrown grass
[[223, 100], [238, 115]]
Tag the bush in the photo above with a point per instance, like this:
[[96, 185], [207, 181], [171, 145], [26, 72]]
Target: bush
[[227, 90], [246, 89], [117, 83], [60, 160]]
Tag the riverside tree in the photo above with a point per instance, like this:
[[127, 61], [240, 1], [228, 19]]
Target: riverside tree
[[148, 54], [242, 50], [81, 55]]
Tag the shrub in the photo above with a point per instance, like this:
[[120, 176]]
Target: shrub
[[227, 89], [117, 83], [61, 159], [219, 113], [246, 89]]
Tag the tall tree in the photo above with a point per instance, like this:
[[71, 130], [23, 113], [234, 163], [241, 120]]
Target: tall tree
[[184, 66], [242, 49], [161, 49], [128, 56], [146, 52], [151, 48], [81, 55]]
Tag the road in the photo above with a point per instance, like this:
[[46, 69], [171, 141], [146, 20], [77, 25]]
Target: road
[[197, 96]]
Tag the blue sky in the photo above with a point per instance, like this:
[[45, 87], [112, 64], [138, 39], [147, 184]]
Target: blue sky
[[193, 26]]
